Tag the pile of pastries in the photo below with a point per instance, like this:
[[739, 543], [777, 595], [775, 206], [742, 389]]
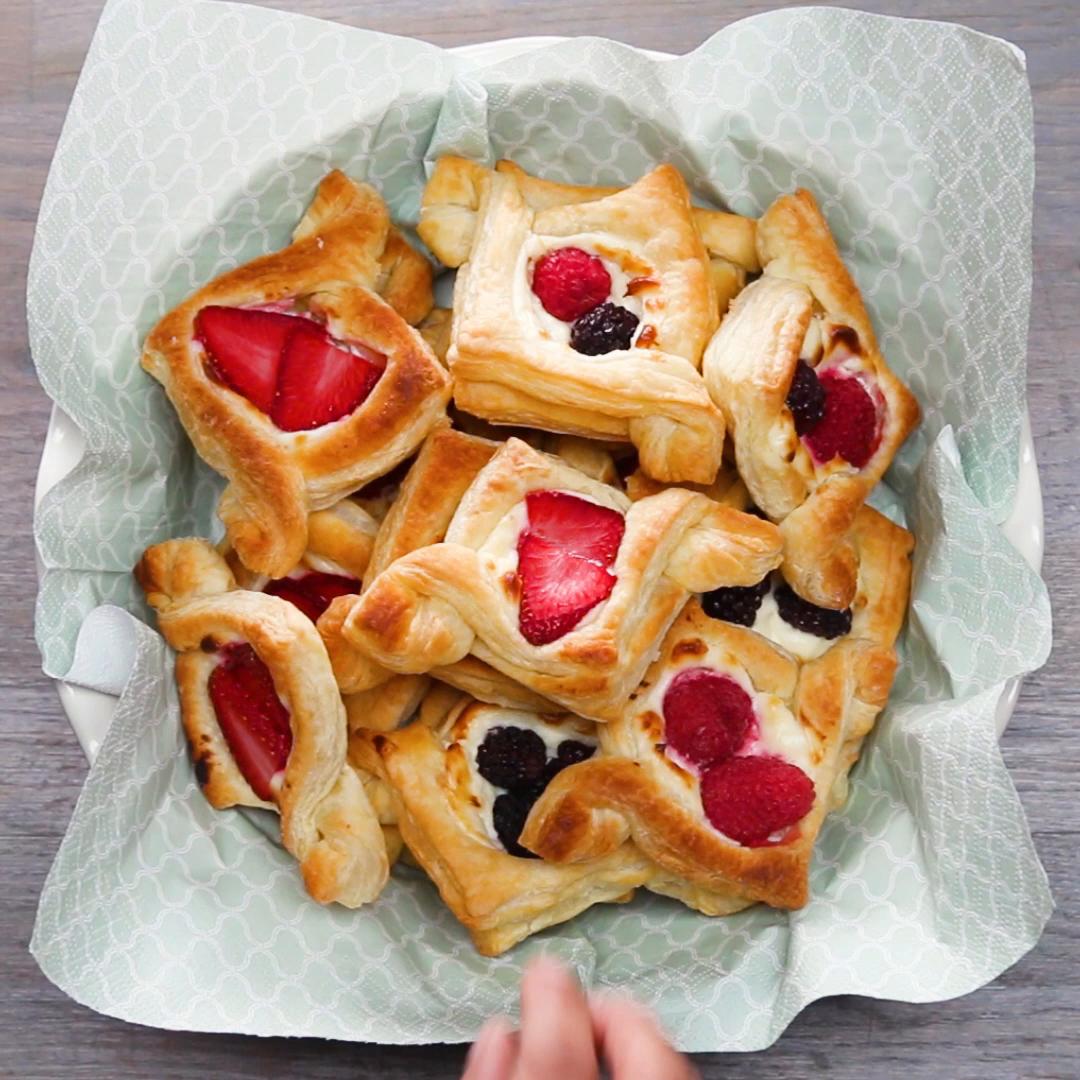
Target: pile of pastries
[[562, 592]]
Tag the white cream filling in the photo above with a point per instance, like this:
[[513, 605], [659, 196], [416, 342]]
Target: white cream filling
[[799, 643], [532, 314], [552, 734]]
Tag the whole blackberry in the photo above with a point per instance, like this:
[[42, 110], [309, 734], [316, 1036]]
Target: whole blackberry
[[735, 604], [805, 399], [604, 329], [511, 758], [800, 613], [508, 815]]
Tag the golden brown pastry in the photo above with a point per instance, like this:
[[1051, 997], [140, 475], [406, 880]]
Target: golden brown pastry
[[263, 718], [722, 768], [461, 791], [815, 413], [551, 577], [590, 319], [296, 379], [734, 748], [452, 197]]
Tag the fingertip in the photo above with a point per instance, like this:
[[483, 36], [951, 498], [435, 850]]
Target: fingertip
[[491, 1056]]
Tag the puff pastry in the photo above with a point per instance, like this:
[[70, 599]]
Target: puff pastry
[[616, 356], [460, 825], [296, 379], [263, 718], [814, 411], [452, 197], [552, 578], [722, 768]]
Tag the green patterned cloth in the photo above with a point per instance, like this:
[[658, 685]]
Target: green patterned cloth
[[196, 137]]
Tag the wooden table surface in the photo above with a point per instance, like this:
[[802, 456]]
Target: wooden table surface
[[1026, 1024]]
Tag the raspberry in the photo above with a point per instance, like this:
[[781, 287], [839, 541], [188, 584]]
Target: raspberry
[[736, 603], [820, 621], [706, 715], [508, 815], [603, 330], [750, 798], [805, 399], [511, 758], [849, 427], [568, 282]]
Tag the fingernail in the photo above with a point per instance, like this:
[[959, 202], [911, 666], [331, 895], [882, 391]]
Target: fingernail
[[549, 969], [484, 1058]]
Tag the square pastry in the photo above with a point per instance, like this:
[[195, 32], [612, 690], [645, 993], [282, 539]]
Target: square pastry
[[298, 377], [461, 790], [814, 411], [590, 318], [735, 746], [263, 718], [552, 578]]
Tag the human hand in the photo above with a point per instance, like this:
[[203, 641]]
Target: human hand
[[565, 1035]]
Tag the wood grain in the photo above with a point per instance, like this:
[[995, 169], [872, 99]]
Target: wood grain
[[1026, 1024]]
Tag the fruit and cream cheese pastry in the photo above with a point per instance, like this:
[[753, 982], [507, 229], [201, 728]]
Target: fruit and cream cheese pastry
[[552, 578], [298, 375], [452, 197], [590, 319], [461, 791], [814, 411], [263, 718], [722, 767]]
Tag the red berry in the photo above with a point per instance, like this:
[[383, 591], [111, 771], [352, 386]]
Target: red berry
[[569, 282], [564, 556], [706, 715], [251, 716], [850, 427], [312, 592], [750, 798], [320, 382]]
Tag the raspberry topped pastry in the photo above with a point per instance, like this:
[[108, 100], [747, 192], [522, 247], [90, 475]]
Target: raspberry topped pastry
[[462, 790], [722, 767], [263, 718], [815, 413], [590, 318], [297, 375], [551, 577]]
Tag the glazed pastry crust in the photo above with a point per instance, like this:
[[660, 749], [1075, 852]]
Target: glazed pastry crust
[[327, 823], [277, 478], [438, 604], [749, 366], [636, 791], [509, 372], [500, 899]]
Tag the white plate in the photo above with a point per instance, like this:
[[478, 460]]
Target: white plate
[[91, 712]]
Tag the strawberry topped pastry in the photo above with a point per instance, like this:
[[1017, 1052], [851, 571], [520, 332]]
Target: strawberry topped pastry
[[264, 721], [299, 376], [815, 413]]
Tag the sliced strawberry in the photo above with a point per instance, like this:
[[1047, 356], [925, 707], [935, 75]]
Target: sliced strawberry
[[252, 718], [851, 426], [706, 715], [312, 592], [751, 798], [577, 525], [320, 382], [244, 348], [564, 555]]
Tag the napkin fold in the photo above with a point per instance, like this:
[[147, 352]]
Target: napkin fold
[[195, 138]]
